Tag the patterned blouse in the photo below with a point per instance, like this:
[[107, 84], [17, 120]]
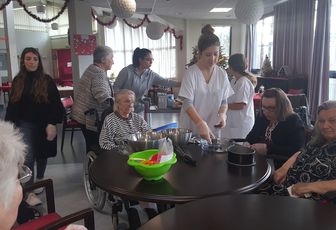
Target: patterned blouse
[[116, 127], [316, 163]]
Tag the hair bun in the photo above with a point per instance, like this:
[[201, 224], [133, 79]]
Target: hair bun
[[207, 29]]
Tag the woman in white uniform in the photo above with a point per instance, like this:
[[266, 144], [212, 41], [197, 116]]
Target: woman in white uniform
[[205, 89], [240, 115]]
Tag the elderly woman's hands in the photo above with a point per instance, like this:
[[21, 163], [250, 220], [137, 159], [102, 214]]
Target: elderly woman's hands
[[279, 175], [302, 189], [204, 131]]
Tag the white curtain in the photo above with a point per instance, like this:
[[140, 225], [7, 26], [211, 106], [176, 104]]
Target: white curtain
[[123, 39]]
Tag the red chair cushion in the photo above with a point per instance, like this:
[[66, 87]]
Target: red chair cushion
[[40, 222], [72, 123]]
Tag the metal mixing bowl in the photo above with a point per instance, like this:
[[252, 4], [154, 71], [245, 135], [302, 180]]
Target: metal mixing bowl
[[179, 136], [143, 141]]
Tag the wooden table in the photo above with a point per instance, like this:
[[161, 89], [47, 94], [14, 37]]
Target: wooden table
[[183, 183], [240, 212]]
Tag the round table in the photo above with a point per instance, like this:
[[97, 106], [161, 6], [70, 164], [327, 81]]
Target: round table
[[183, 183], [246, 212]]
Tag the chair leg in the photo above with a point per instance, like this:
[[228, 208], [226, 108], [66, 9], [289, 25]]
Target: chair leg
[[62, 143], [72, 132]]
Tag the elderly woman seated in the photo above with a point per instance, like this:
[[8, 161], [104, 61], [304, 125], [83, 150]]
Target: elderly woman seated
[[312, 172], [278, 132], [122, 122]]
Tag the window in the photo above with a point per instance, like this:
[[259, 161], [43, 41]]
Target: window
[[124, 39], [224, 34], [332, 53], [263, 41]]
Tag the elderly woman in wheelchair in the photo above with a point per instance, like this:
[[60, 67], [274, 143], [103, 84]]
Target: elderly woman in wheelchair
[[311, 173], [122, 122]]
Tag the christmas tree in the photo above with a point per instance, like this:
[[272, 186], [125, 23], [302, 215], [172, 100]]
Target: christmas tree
[[266, 68]]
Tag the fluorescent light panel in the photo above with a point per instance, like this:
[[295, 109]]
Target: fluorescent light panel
[[220, 10]]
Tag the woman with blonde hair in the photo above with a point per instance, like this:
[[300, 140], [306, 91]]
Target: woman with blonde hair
[[240, 115]]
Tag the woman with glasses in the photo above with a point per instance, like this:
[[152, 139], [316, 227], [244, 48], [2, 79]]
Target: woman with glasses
[[12, 155], [277, 131], [139, 78], [122, 122]]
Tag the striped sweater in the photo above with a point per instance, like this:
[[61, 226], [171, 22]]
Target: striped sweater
[[116, 127], [91, 92]]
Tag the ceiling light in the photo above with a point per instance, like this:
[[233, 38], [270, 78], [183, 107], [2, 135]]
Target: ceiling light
[[220, 10]]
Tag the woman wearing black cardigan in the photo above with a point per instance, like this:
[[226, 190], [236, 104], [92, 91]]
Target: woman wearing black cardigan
[[278, 132], [35, 107]]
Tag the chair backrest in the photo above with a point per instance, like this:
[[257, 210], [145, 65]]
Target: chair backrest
[[67, 102]]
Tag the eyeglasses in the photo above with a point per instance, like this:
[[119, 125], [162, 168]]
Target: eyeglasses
[[149, 59], [24, 174], [268, 108]]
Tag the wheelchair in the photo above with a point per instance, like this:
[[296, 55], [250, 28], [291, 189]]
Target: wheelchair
[[99, 198]]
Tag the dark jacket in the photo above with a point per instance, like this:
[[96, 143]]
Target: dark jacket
[[39, 114], [287, 137]]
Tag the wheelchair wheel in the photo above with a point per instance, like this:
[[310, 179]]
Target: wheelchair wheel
[[95, 195]]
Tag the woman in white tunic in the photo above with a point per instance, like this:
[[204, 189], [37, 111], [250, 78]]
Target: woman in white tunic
[[205, 89], [240, 115]]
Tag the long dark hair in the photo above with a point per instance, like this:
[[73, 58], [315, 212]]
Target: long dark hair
[[40, 84], [237, 62], [139, 54]]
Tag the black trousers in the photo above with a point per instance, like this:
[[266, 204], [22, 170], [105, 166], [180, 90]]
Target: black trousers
[[91, 138]]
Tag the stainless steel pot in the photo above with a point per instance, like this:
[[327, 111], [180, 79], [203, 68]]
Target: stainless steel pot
[[179, 136], [142, 141]]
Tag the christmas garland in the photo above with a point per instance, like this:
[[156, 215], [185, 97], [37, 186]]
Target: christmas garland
[[43, 19], [3, 5], [168, 29]]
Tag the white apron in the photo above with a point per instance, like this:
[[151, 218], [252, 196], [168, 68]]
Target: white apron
[[206, 97]]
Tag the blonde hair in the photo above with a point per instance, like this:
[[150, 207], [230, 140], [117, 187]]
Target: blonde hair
[[317, 138], [12, 155]]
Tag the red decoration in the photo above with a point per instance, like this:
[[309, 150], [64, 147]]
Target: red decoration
[[84, 44], [168, 29], [43, 19], [3, 5]]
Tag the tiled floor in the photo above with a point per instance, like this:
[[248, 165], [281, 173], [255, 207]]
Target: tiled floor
[[66, 172]]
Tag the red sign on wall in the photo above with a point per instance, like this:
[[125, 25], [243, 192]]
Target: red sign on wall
[[84, 44]]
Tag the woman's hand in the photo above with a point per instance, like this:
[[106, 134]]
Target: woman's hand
[[279, 175], [302, 189], [204, 131], [260, 148], [221, 120], [75, 227], [51, 132]]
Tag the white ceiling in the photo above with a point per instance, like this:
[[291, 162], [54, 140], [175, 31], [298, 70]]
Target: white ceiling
[[187, 9]]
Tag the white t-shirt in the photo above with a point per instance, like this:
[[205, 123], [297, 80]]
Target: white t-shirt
[[206, 97], [240, 122]]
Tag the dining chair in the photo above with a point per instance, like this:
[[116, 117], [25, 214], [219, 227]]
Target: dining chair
[[69, 124], [52, 220]]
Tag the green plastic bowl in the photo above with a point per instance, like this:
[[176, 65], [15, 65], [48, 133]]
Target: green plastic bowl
[[150, 172]]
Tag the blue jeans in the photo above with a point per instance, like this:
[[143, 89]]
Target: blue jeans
[[29, 131]]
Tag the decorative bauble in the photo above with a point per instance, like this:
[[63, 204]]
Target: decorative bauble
[[123, 8], [155, 30], [249, 11], [54, 26]]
